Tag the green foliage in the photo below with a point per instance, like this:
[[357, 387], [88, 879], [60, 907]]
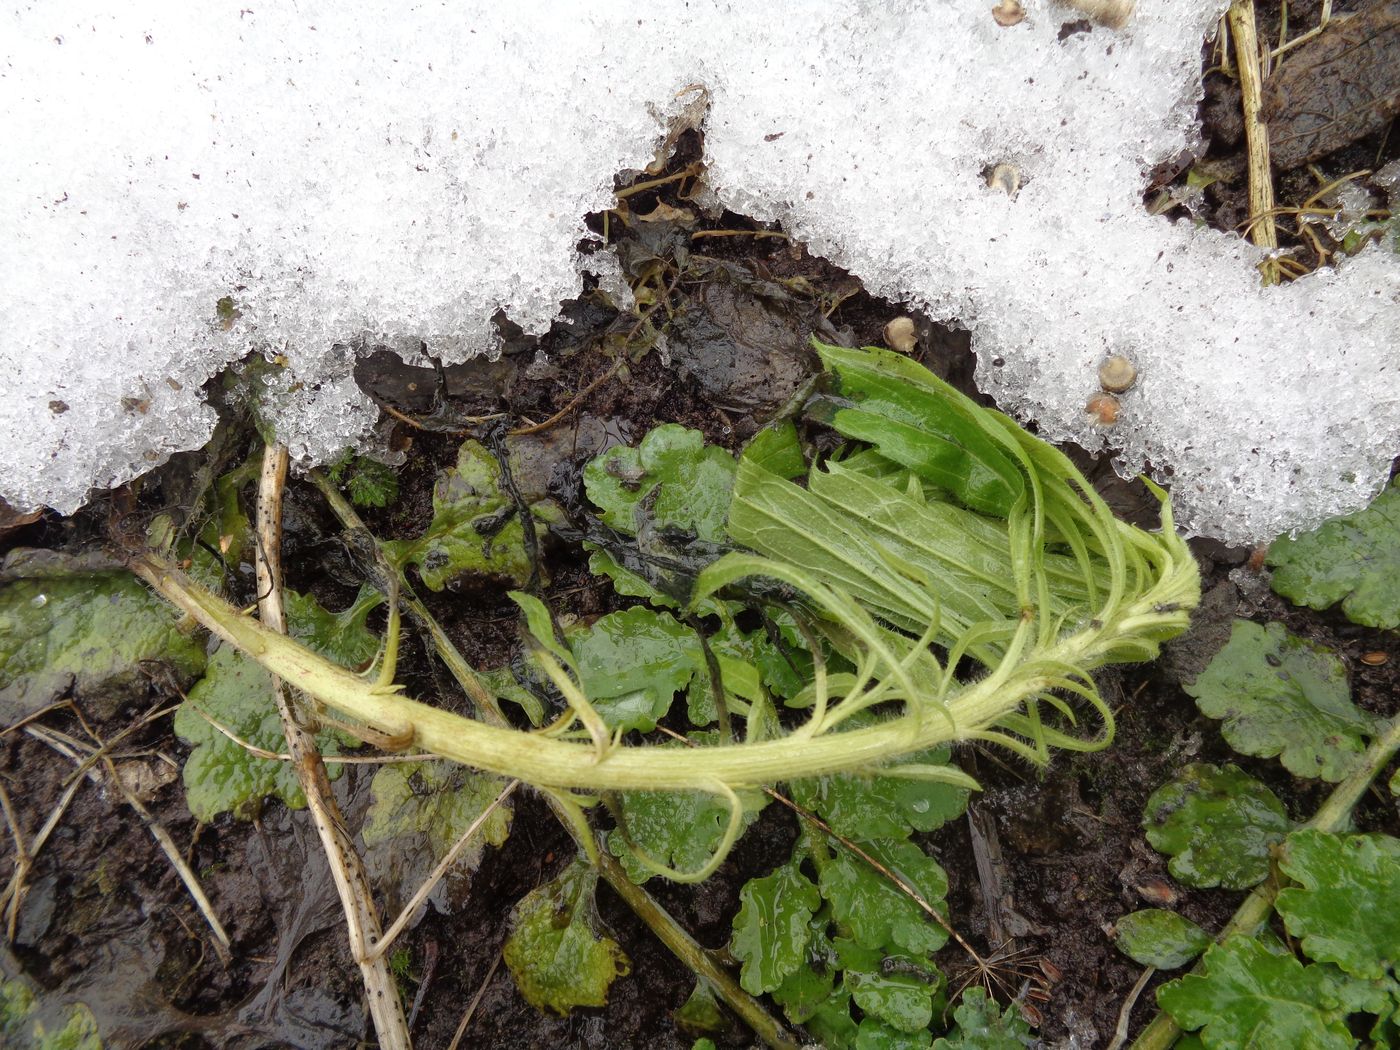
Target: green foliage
[[1282, 695], [679, 829], [63, 626], [631, 665], [982, 1025], [877, 913], [368, 482], [1218, 825], [558, 957], [476, 528], [1344, 908], [222, 776], [891, 987], [672, 477], [773, 927], [419, 809], [877, 808], [1353, 559], [21, 1029], [1160, 938], [1251, 995]]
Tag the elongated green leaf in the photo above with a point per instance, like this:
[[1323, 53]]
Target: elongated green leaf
[[772, 928], [913, 418], [1160, 938], [1354, 560], [776, 449], [1218, 826], [555, 952], [1283, 695], [1250, 996], [1346, 908], [878, 913]]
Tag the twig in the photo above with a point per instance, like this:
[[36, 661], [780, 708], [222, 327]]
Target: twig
[[573, 403], [1261, 181], [1125, 1015], [476, 1001], [347, 870], [410, 909], [22, 862]]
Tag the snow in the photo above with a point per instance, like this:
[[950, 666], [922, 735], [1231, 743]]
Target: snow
[[397, 174]]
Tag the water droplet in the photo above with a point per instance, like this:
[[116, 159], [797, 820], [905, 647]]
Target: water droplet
[[920, 805], [39, 601]]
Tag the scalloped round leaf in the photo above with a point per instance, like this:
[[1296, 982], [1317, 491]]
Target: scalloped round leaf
[[1282, 695], [681, 829], [983, 1025], [558, 958], [1250, 996], [1218, 826], [876, 911], [893, 987], [773, 927], [631, 664], [1346, 906], [876, 807], [672, 476], [1353, 559], [1160, 938]]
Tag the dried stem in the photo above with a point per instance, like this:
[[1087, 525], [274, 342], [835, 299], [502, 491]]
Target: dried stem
[[1263, 230]]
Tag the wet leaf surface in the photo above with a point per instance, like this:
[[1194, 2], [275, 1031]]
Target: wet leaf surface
[[679, 829], [1217, 824], [1345, 906], [62, 627], [631, 665], [1354, 559], [1160, 938], [1252, 996], [559, 958], [772, 929], [1282, 695], [893, 987], [878, 913], [983, 1025], [878, 807]]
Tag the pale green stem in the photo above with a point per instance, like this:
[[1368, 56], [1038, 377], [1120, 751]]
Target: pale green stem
[[1332, 817]]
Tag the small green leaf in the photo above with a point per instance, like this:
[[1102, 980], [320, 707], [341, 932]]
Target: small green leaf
[[1160, 938], [1250, 996], [1345, 906], [369, 482], [476, 528], [982, 1025], [1282, 695], [418, 811], [877, 912], [503, 683], [701, 1012], [776, 449], [803, 991], [876, 807], [772, 928], [1353, 559], [831, 1022], [681, 829], [1218, 826], [222, 776], [559, 959], [877, 1035], [895, 987], [680, 480], [632, 663], [61, 626]]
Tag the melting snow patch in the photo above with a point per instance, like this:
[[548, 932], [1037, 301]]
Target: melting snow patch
[[394, 173]]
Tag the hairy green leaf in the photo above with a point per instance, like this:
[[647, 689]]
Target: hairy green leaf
[[1346, 908], [772, 928], [1353, 559], [1283, 695], [61, 626], [982, 1025], [368, 482], [476, 528], [1218, 826], [632, 663], [558, 957], [902, 409], [877, 913], [1250, 996], [672, 477], [222, 776], [1160, 938]]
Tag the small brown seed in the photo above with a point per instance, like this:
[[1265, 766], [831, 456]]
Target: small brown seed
[[1104, 408], [1008, 13], [901, 335], [1375, 659], [1117, 374]]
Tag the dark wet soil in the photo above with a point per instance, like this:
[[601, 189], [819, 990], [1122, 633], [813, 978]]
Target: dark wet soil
[[107, 923]]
